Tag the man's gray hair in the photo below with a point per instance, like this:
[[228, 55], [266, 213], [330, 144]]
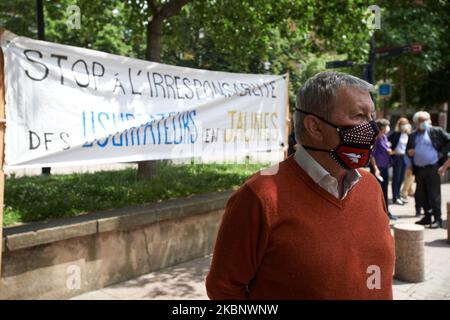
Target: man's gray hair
[[319, 93], [421, 114]]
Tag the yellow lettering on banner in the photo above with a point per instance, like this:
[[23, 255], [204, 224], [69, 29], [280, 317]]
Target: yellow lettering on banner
[[251, 126]]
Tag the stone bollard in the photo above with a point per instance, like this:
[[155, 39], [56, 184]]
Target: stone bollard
[[409, 252], [448, 224]]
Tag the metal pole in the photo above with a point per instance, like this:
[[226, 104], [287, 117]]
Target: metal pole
[[40, 19], [372, 59], [371, 73], [41, 36]]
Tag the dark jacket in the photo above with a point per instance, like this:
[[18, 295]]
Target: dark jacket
[[394, 138], [440, 140]]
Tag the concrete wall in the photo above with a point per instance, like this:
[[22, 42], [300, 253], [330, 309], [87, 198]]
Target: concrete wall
[[51, 260]]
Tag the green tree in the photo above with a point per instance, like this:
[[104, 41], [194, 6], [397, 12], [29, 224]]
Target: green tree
[[295, 36], [19, 16], [240, 36], [424, 77]]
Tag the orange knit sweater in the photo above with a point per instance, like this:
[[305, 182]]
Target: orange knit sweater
[[283, 237]]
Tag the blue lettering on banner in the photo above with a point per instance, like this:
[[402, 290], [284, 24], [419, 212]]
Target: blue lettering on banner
[[163, 128]]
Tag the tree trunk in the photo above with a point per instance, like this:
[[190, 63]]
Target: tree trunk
[[149, 169], [154, 30]]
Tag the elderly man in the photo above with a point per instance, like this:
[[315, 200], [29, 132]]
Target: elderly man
[[317, 228], [428, 147]]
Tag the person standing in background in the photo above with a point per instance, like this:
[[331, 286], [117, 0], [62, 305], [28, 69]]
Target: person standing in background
[[398, 139], [428, 147], [381, 160]]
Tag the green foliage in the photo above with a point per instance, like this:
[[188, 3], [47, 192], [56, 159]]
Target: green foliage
[[19, 16], [46, 197], [226, 35], [295, 36], [105, 26], [427, 74], [239, 36]]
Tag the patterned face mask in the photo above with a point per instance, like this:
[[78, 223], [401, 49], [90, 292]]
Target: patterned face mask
[[356, 143]]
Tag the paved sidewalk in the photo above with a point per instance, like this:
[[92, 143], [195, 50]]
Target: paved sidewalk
[[186, 281], [437, 256]]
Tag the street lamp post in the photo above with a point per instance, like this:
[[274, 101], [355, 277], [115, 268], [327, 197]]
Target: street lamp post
[[41, 36]]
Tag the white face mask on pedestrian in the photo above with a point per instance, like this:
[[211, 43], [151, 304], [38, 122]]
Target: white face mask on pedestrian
[[405, 127], [424, 125]]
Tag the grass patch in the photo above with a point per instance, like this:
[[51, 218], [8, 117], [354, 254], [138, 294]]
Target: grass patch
[[40, 198]]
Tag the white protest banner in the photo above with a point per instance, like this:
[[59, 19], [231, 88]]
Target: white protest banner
[[72, 106], [2, 136]]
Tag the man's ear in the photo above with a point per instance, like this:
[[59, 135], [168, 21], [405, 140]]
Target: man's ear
[[313, 127]]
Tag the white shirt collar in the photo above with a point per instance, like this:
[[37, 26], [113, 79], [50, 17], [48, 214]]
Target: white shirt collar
[[321, 176]]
